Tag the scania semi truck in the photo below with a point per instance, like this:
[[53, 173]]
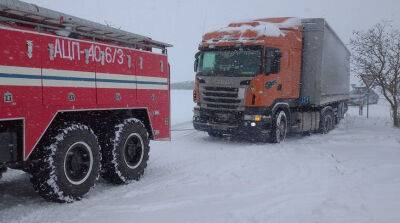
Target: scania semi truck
[[268, 77]]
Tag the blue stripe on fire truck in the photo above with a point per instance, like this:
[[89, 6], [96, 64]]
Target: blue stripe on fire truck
[[68, 81]]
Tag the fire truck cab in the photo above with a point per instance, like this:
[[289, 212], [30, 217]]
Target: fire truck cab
[[79, 100]]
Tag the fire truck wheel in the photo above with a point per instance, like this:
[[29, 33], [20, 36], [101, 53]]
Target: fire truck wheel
[[279, 127], [125, 152], [69, 165], [327, 122]]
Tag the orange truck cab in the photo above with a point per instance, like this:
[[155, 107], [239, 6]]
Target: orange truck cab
[[268, 77]]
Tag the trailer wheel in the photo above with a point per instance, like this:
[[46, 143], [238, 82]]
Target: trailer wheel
[[327, 122], [69, 164], [125, 152], [279, 127]]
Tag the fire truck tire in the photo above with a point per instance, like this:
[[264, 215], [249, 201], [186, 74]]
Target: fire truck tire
[[327, 122], [279, 127], [69, 165], [125, 152]]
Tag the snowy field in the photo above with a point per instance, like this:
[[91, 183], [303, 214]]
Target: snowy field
[[350, 175]]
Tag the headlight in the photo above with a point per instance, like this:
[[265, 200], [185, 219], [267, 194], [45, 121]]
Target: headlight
[[257, 118]]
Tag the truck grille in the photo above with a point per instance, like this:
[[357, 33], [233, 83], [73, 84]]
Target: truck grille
[[221, 98], [218, 117]]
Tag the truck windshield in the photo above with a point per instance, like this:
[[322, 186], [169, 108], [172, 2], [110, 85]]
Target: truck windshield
[[230, 62]]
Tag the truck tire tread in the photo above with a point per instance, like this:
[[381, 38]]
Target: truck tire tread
[[115, 168], [48, 175]]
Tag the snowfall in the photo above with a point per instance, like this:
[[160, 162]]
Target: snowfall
[[351, 175]]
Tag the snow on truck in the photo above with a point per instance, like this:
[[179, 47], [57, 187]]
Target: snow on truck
[[79, 100], [268, 77]]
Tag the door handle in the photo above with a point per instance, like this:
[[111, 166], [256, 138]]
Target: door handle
[[279, 88]]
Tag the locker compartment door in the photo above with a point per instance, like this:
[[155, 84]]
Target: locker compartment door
[[20, 73], [115, 79], [153, 90], [68, 73]]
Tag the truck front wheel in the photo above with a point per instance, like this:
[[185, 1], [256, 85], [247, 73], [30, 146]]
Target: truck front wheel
[[279, 127], [69, 165], [125, 152]]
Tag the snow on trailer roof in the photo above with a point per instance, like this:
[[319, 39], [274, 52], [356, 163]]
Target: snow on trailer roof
[[252, 30], [64, 24]]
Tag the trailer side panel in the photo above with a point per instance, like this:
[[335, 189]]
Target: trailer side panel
[[326, 64]]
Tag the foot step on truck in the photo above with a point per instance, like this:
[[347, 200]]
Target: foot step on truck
[[267, 77], [79, 100]]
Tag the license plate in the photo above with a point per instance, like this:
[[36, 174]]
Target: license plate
[[223, 117]]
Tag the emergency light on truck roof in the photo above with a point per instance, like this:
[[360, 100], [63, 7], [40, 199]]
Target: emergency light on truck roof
[[64, 24]]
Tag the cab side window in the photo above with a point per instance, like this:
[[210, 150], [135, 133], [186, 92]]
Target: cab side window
[[272, 60]]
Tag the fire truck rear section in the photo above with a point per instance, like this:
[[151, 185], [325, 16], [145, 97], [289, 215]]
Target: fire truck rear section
[[79, 100]]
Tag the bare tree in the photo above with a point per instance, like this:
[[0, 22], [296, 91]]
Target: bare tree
[[376, 59]]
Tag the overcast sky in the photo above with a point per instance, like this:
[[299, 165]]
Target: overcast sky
[[182, 22]]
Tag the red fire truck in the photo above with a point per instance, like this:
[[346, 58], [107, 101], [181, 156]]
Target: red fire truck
[[79, 100]]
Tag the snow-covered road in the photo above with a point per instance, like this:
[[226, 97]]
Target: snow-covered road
[[350, 175]]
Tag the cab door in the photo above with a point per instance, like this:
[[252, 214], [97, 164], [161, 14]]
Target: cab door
[[286, 74], [267, 87]]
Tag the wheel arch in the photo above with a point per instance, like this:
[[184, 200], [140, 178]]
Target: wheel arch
[[282, 106]]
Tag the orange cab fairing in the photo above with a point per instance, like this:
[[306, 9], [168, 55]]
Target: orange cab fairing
[[282, 33]]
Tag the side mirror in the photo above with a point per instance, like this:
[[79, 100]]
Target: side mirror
[[268, 66], [277, 54], [269, 59], [276, 62], [273, 61], [196, 64]]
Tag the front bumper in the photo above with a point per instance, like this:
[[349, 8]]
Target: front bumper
[[232, 122]]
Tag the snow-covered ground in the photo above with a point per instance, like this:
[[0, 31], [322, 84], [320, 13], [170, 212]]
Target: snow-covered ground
[[350, 175]]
